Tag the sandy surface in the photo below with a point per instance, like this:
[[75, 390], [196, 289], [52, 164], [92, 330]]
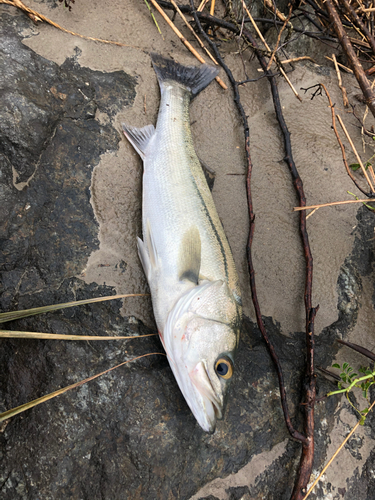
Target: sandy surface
[[217, 132]]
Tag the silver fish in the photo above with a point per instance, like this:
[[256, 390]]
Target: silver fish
[[185, 253]]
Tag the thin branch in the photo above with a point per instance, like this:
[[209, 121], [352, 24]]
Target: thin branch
[[188, 25], [358, 348], [351, 55], [183, 39], [279, 38], [347, 168], [332, 204], [36, 17], [357, 20], [356, 153], [293, 432], [343, 89], [348, 70]]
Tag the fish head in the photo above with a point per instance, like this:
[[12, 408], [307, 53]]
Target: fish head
[[201, 351]]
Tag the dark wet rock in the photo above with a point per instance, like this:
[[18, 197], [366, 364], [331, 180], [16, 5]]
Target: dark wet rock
[[130, 433], [239, 493], [363, 486]]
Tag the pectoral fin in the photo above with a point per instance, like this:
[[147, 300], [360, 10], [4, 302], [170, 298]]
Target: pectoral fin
[[190, 256], [139, 137]]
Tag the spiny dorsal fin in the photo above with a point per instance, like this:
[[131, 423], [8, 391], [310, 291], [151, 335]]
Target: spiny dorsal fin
[[190, 256], [139, 137]]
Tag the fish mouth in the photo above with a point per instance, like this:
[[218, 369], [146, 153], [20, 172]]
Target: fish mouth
[[207, 406]]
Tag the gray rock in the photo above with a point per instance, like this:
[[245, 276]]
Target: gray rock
[[130, 433]]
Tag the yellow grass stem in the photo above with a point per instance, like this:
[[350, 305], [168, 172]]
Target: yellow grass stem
[[36, 17], [342, 88], [355, 153], [335, 455], [183, 39], [9, 334], [35, 402], [188, 25], [10, 316], [332, 204]]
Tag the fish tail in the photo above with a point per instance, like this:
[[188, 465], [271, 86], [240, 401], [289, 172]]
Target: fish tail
[[193, 78]]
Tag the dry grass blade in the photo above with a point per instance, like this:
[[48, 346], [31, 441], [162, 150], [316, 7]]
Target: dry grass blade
[[343, 89], [272, 6], [10, 316], [255, 26], [332, 204], [279, 38], [335, 455], [202, 5], [188, 25], [31, 404], [35, 16], [356, 153], [183, 40], [212, 9], [9, 334], [345, 68]]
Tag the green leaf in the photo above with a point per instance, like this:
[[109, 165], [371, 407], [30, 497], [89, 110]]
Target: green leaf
[[336, 365], [355, 166], [345, 366], [343, 376]]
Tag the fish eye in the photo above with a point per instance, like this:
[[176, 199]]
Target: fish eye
[[224, 368]]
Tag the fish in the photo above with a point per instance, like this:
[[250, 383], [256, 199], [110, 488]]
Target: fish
[[185, 254]]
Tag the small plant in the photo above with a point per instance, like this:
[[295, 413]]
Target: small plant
[[67, 3], [348, 376]]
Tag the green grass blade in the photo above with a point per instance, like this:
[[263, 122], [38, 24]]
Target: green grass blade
[[31, 404], [8, 334], [153, 18], [9, 316]]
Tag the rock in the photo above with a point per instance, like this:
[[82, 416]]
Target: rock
[[128, 434]]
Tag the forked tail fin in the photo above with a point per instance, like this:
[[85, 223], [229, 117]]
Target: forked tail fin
[[193, 78]]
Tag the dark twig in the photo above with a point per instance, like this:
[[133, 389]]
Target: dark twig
[[310, 385], [356, 19], [329, 373], [294, 433], [347, 168], [307, 456], [307, 440], [358, 348], [351, 55]]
